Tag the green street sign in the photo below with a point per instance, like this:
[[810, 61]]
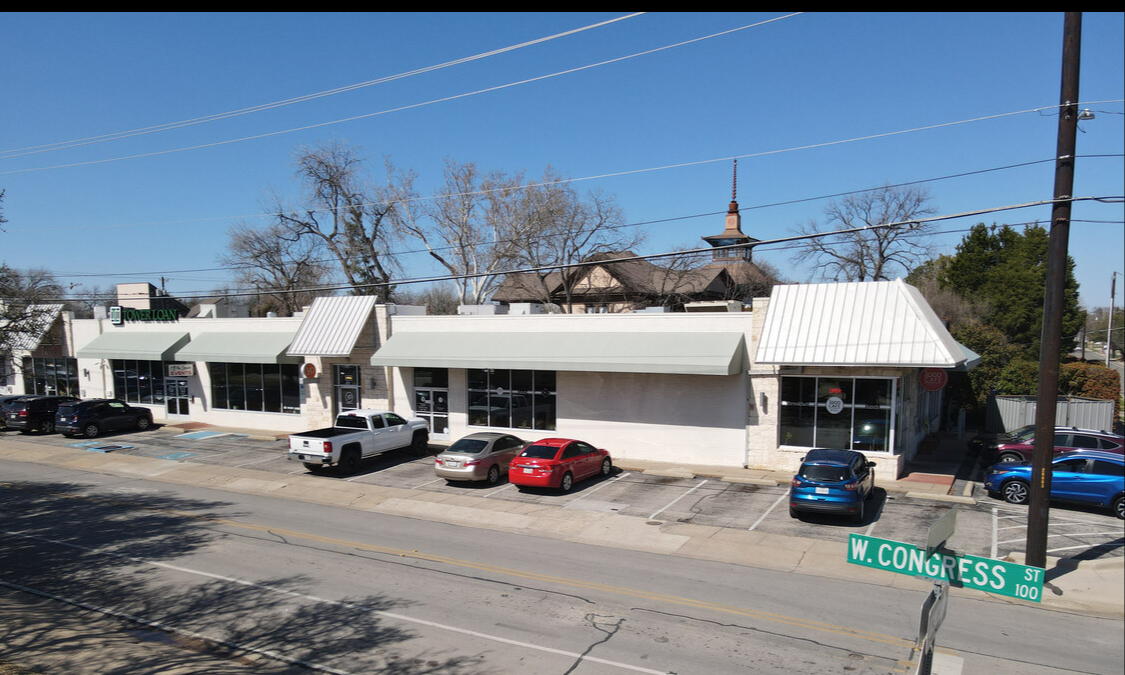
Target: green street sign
[[967, 571]]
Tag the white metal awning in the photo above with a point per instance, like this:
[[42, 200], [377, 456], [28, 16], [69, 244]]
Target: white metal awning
[[670, 353], [879, 323], [332, 326]]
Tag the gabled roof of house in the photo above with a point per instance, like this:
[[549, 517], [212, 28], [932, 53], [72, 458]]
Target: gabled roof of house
[[875, 323]]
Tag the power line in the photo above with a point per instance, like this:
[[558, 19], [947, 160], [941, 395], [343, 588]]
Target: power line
[[672, 219], [61, 145], [412, 106], [332, 288]]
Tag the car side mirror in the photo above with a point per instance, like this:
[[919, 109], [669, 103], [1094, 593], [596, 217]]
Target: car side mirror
[[871, 465]]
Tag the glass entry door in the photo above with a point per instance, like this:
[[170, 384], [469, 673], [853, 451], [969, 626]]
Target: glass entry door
[[176, 396], [432, 405], [347, 388]]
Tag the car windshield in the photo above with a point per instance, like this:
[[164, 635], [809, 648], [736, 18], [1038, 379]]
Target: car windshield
[[823, 473], [540, 452], [469, 446]]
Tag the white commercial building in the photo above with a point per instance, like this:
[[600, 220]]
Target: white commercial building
[[856, 365]]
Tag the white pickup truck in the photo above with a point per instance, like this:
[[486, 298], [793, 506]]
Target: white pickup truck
[[357, 435]]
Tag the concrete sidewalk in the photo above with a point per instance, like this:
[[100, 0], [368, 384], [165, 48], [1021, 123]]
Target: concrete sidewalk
[[1091, 587]]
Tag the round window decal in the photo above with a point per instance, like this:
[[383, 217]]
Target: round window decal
[[834, 405], [349, 397]]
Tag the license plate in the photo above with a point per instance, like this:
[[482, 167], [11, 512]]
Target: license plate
[[526, 470], [452, 465], [822, 491]]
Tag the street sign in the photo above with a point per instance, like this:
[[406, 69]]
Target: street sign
[[967, 571], [941, 531]]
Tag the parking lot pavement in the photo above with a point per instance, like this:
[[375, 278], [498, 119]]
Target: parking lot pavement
[[731, 498]]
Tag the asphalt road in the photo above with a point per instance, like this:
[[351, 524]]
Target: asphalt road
[[357, 592], [991, 528]]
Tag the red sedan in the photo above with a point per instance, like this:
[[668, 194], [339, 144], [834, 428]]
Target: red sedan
[[558, 463]]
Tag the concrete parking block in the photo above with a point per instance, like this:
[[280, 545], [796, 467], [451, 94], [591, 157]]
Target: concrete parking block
[[751, 481], [670, 473]]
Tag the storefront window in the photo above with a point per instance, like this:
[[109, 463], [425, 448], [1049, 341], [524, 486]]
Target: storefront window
[[139, 381], [837, 412], [269, 387], [512, 399], [52, 377]]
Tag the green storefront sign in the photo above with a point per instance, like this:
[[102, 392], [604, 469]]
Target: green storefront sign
[[967, 571]]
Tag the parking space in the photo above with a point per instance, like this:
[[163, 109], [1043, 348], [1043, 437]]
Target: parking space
[[990, 528]]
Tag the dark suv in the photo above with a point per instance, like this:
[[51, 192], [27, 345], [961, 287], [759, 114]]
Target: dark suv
[[94, 416], [832, 481], [4, 401], [34, 413]]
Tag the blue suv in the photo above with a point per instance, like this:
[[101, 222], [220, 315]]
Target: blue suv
[[1085, 477], [832, 481]]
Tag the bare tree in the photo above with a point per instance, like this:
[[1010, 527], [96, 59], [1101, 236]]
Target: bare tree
[[869, 254], [24, 297], [437, 299], [28, 301], [279, 264], [356, 222], [470, 228], [566, 230]]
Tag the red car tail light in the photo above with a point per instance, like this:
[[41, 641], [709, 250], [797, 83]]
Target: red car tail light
[[852, 487], [796, 482], [328, 447], [472, 462]]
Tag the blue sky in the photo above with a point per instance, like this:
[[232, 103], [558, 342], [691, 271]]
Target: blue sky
[[657, 131]]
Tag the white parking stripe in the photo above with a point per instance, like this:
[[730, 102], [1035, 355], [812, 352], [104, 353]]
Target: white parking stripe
[[780, 499], [677, 499], [992, 553], [431, 482], [589, 492]]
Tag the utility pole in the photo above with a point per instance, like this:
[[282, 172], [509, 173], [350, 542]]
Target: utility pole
[[1051, 342], [1109, 327]]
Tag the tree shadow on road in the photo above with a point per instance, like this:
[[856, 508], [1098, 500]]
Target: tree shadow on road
[[141, 556]]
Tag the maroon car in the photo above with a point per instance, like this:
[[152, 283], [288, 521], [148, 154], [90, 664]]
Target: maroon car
[[1067, 440]]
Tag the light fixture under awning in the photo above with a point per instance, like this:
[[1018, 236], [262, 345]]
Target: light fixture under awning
[[667, 353], [239, 348], [139, 346]]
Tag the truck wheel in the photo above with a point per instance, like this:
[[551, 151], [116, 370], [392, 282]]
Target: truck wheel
[[315, 468], [421, 443], [349, 461]]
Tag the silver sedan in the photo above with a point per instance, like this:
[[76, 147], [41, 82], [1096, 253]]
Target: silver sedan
[[480, 456]]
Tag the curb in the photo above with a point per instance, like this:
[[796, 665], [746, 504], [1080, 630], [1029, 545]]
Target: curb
[[942, 498]]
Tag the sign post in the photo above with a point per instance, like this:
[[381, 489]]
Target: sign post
[[933, 613]]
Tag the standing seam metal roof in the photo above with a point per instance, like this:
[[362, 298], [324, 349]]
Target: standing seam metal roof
[[332, 326], [880, 323]]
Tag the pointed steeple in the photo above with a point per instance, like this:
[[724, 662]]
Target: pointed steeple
[[732, 234]]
